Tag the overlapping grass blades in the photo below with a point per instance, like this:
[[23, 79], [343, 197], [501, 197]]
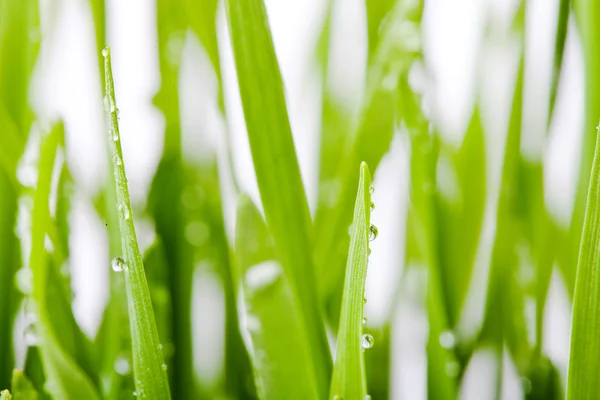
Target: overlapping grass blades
[[349, 379], [585, 342], [276, 166], [272, 313], [149, 369]]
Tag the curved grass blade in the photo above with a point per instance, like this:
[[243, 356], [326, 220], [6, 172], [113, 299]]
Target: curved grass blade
[[22, 387], [349, 377], [279, 344], [276, 165], [148, 365], [64, 379], [585, 341]]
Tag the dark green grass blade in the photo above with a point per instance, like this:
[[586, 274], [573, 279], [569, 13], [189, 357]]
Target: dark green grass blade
[[585, 341], [22, 388], [148, 365], [349, 378], [65, 380], [276, 166], [281, 357]]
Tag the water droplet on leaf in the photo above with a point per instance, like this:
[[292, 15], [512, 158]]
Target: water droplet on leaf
[[122, 366], [105, 52], [366, 342], [371, 190], [447, 339], [118, 264], [373, 232]]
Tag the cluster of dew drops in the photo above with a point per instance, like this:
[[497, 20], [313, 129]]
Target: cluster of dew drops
[[366, 341]]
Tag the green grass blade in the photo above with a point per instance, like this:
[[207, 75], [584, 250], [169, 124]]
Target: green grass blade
[[349, 377], [22, 387], [276, 165], [148, 365], [585, 341], [5, 395], [281, 355], [64, 379]]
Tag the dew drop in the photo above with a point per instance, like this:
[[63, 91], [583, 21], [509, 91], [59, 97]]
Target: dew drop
[[447, 339], [372, 206], [526, 383], [367, 397], [134, 394], [126, 213], [118, 264], [160, 346], [373, 232], [369, 251], [364, 300], [105, 52], [112, 107], [364, 320], [106, 103], [164, 367], [114, 135], [371, 190], [366, 342]]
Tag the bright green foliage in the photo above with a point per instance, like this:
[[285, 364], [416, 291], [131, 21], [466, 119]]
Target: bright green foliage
[[272, 313], [349, 379], [585, 342], [276, 166], [22, 387], [148, 364]]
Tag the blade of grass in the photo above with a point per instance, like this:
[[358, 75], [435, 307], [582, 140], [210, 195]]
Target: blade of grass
[[276, 165], [148, 365], [349, 378], [22, 387], [5, 395], [65, 380], [559, 50], [278, 340], [589, 29], [585, 341], [19, 23]]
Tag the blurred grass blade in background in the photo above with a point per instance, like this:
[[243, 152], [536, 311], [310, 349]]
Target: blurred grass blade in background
[[64, 378], [272, 314], [349, 378], [584, 362], [276, 166], [149, 369], [18, 54]]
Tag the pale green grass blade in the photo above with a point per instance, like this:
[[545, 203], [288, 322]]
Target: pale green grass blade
[[18, 53], [5, 395], [281, 357], [148, 365], [22, 388], [585, 340], [586, 12], [64, 379], [349, 378], [276, 166], [560, 40]]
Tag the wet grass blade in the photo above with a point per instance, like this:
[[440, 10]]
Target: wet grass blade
[[64, 379], [148, 366], [349, 377], [585, 341], [273, 317], [276, 165]]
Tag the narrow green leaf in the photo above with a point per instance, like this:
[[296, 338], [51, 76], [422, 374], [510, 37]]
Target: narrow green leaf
[[65, 380], [273, 316], [349, 378], [22, 387], [148, 365], [276, 165], [585, 341]]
